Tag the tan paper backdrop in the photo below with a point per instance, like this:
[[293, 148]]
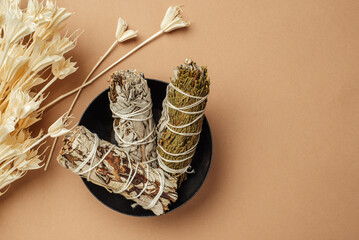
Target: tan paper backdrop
[[283, 108]]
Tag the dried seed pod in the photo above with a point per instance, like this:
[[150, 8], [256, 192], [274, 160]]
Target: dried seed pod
[[180, 125], [131, 106], [107, 165]]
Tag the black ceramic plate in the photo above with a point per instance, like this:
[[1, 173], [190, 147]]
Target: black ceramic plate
[[97, 118]]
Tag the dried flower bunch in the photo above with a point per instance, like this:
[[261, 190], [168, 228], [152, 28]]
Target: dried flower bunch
[[31, 53]]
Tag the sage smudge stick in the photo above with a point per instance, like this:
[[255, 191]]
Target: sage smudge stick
[[131, 106], [180, 125], [107, 165]]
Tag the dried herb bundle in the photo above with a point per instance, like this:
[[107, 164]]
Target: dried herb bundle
[[108, 166], [181, 122], [131, 106]]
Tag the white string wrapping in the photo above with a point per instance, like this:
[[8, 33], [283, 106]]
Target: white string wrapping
[[131, 117], [91, 157], [131, 177], [146, 184], [160, 191], [135, 143]]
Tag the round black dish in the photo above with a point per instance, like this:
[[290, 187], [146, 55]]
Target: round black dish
[[98, 119]]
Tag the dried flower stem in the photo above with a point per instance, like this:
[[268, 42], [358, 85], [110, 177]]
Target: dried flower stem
[[37, 142], [125, 56], [104, 71], [45, 87], [172, 21], [90, 74]]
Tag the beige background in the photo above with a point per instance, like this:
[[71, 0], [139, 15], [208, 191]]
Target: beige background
[[284, 113]]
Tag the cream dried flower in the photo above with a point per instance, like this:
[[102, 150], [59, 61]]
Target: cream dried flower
[[7, 126], [173, 19], [21, 104], [63, 68], [59, 127], [62, 44], [26, 157], [121, 33], [37, 14], [44, 62], [17, 28], [57, 15]]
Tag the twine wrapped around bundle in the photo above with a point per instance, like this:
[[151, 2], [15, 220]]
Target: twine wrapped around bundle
[[131, 106], [106, 165], [180, 125]]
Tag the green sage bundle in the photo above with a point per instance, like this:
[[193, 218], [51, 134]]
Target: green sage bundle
[[131, 106], [180, 125]]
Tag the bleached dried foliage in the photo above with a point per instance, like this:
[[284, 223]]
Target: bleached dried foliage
[[31, 53]]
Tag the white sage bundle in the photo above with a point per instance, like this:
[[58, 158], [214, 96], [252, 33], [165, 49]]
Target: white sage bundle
[[107, 165], [131, 106]]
